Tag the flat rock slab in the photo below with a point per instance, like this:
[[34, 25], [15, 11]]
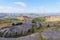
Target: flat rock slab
[[54, 34], [29, 37], [8, 38]]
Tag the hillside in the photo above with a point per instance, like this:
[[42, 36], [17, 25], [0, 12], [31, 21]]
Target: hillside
[[6, 21], [52, 18]]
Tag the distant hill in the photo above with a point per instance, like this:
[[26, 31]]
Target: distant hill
[[28, 14], [2, 15], [8, 14]]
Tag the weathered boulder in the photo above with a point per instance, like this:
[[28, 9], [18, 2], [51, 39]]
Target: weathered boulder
[[18, 28], [51, 34]]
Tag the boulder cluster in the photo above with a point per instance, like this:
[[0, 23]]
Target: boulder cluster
[[19, 28]]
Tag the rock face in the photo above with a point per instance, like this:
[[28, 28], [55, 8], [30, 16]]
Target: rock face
[[29, 37], [51, 24], [51, 34], [17, 28]]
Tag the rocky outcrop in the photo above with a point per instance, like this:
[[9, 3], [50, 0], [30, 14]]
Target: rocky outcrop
[[51, 34], [17, 28], [29, 37]]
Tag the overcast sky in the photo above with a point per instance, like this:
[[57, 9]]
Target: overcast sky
[[29, 6]]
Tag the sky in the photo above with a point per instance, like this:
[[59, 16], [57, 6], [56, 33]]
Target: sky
[[29, 6]]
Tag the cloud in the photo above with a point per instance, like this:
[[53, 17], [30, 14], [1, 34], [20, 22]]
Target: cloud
[[21, 4], [14, 9], [40, 9], [45, 10], [58, 3], [11, 10]]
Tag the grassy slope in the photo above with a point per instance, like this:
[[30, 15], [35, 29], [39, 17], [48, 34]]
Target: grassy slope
[[53, 18], [4, 22]]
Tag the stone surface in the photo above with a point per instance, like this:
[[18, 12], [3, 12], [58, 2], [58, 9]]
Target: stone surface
[[54, 34], [18, 28], [29, 37]]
